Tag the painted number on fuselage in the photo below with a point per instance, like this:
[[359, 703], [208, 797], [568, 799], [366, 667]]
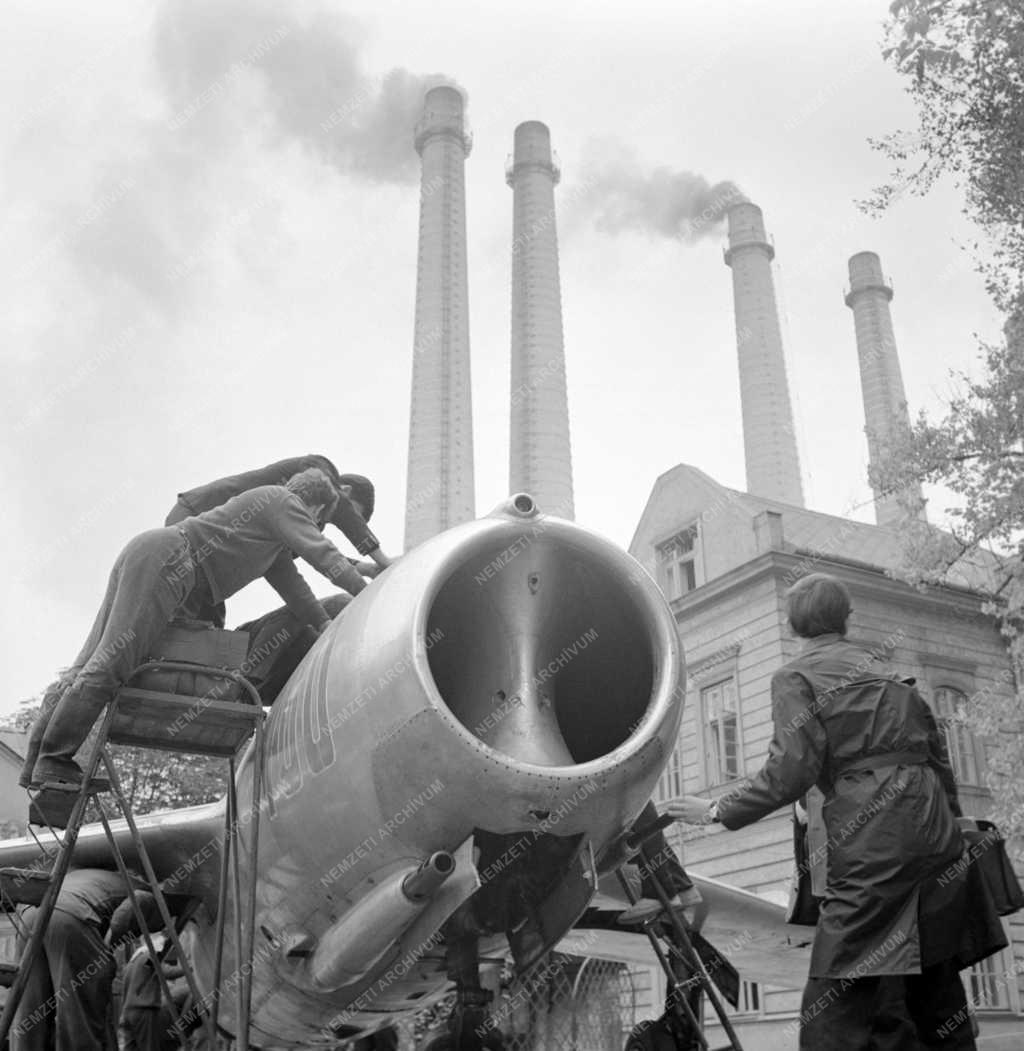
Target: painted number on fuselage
[[301, 739]]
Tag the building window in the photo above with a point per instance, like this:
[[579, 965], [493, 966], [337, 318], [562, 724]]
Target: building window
[[948, 705], [670, 784], [720, 720], [677, 563], [986, 985], [750, 998]]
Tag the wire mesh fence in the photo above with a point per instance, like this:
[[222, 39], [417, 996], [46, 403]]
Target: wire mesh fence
[[567, 1003]]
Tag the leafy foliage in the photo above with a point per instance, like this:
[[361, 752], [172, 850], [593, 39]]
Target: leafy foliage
[[165, 780], [964, 64]]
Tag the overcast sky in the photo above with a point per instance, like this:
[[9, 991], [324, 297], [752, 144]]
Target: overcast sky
[[209, 228]]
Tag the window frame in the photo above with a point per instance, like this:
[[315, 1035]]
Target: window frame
[[961, 740], [667, 565], [713, 748], [998, 972]]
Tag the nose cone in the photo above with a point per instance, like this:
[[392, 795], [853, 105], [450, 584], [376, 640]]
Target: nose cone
[[518, 716], [545, 653]]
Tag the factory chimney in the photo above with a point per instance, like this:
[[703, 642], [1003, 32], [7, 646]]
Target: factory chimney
[[769, 441], [540, 460], [885, 403], [439, 487]]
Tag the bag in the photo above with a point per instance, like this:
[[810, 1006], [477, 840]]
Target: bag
[[802, 909], [986, 848]]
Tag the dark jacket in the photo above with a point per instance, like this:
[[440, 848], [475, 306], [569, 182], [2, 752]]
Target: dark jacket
[[91, 895], [345, 517], [891, 825]]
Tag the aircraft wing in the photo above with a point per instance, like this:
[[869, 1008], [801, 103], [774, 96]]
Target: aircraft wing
[[749, 931], [184, 844]]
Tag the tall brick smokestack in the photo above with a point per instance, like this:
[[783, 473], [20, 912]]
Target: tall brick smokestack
[[769, 441], [885, 402], [439, 488], [540, 460]]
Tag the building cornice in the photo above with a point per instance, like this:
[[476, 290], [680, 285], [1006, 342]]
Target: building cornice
[[857, 574], [722, 656]]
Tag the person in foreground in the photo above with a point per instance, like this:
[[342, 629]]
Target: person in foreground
[[64, 1006], [899, 917], [163, 573]]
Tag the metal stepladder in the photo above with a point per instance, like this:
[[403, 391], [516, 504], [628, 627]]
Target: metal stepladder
[[683, 997], [172, 723]]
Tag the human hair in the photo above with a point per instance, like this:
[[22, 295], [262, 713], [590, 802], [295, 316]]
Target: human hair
[[325, 465], [362, 492], [312, 487], [818, 604]]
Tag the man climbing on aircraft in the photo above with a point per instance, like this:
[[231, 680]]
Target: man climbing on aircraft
[[174, 571], [353, 510]]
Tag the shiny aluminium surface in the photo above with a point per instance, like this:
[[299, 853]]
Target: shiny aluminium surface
[[513, 677], [514, 674]]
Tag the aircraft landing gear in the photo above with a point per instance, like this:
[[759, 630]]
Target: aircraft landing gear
[[470, 1027]]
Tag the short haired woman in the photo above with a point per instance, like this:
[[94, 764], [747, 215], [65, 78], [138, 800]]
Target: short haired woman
[[871, 745]]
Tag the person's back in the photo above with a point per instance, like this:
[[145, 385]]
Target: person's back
[[350, 516], [173, 571], [253, 533], [67, 992], [212, 494], [865, 710], [870, 743], [91, 895]]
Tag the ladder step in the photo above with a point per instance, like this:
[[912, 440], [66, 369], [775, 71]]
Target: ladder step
[[172, 722], [23, 886], [8, 972]]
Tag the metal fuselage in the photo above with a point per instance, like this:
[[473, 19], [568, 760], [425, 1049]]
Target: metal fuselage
[[506, 695]]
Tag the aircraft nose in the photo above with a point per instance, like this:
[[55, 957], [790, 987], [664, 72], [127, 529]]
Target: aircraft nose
[[544, 652]]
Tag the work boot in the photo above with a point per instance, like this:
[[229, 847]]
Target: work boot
[[65, 733], [63, 775], [31, 754], [52, 695]]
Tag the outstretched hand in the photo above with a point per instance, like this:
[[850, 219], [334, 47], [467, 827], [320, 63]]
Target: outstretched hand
[[694, 810]]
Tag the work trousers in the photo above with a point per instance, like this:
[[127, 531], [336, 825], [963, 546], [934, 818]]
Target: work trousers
[[205, 608], [149, 1029], [64, 1006], [151, 579], [882, 1014]]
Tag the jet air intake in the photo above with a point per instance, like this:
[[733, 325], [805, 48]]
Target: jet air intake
[[545, 650]]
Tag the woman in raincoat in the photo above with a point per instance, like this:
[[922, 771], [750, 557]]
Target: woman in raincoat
[[871, 745]]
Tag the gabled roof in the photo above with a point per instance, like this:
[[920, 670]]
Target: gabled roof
[[694, 479], [804, 531]]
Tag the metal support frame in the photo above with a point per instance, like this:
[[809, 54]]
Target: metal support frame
[[230, 867], [681, 943]]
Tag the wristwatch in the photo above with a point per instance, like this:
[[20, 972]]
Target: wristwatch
[[712, 815]]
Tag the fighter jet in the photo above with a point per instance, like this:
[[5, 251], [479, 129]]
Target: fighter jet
[[447, 773]]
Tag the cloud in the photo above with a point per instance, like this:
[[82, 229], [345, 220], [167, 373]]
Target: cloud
[[304, 64], [622, 196]]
